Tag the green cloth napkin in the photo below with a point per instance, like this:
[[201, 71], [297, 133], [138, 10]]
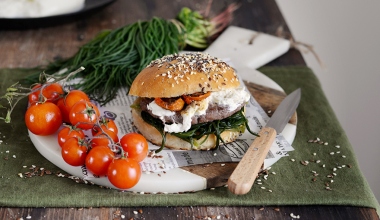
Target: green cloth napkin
[[291, 182]]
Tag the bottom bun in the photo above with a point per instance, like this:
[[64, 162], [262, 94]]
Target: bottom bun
[[175, 143]]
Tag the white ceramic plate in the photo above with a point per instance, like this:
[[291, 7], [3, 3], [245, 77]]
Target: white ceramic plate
[[175, 180]]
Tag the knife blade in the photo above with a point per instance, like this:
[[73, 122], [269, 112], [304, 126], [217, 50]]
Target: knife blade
[[245, 173]]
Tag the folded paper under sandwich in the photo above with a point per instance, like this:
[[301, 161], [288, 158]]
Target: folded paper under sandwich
[[245, 173]]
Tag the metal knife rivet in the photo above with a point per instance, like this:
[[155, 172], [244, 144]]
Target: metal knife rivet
[[255, 149]]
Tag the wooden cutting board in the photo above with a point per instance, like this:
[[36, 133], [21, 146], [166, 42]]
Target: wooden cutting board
[[217, 175]]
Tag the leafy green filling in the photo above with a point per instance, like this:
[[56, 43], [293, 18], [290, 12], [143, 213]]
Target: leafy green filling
[[236, 122]]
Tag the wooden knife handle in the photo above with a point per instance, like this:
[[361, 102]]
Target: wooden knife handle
[[245, 173]]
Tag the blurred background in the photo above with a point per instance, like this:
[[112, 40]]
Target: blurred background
[[345, 35]]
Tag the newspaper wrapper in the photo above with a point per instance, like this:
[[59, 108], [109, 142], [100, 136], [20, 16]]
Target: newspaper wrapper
[[119, 109]]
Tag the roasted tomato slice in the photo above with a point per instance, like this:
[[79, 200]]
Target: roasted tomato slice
[[172, 104], [195, 97]]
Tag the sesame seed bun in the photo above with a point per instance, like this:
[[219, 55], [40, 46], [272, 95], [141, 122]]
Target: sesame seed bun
[[186, 73], [173, 142]]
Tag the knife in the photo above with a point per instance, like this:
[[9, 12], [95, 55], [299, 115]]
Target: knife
[[245, 173]]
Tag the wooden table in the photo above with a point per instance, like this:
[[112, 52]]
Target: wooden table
[[29, 48]]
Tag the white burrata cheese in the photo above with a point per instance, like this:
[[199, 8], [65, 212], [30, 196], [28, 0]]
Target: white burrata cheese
[[231, 98], [38, 8]]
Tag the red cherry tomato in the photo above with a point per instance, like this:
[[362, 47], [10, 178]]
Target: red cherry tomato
[[124, 173], [66, 103], [105, 124], [74, 151], [84, 115], [135, 145], [101, 139], [51, 92], [68, 132], [98, 160], [43, 118]]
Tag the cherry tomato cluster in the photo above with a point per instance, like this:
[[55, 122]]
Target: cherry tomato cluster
[[100, 149]]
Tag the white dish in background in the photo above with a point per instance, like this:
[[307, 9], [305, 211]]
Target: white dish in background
[[173, 181]]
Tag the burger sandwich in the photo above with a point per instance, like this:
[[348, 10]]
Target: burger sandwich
[[189, 101]]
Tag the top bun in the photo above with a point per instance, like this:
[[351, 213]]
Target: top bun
[[186, 73]]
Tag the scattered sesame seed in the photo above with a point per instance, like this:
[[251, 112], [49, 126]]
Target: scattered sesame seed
[[337, 146], [344, 156], [332, 153], [262, 187], [314, 154], [292, 160], [326, 143], [318, 161]]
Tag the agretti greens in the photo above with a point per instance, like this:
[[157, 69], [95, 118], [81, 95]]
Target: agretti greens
[[114, 57]]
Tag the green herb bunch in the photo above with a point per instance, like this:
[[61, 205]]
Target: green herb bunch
[[114, 57]]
